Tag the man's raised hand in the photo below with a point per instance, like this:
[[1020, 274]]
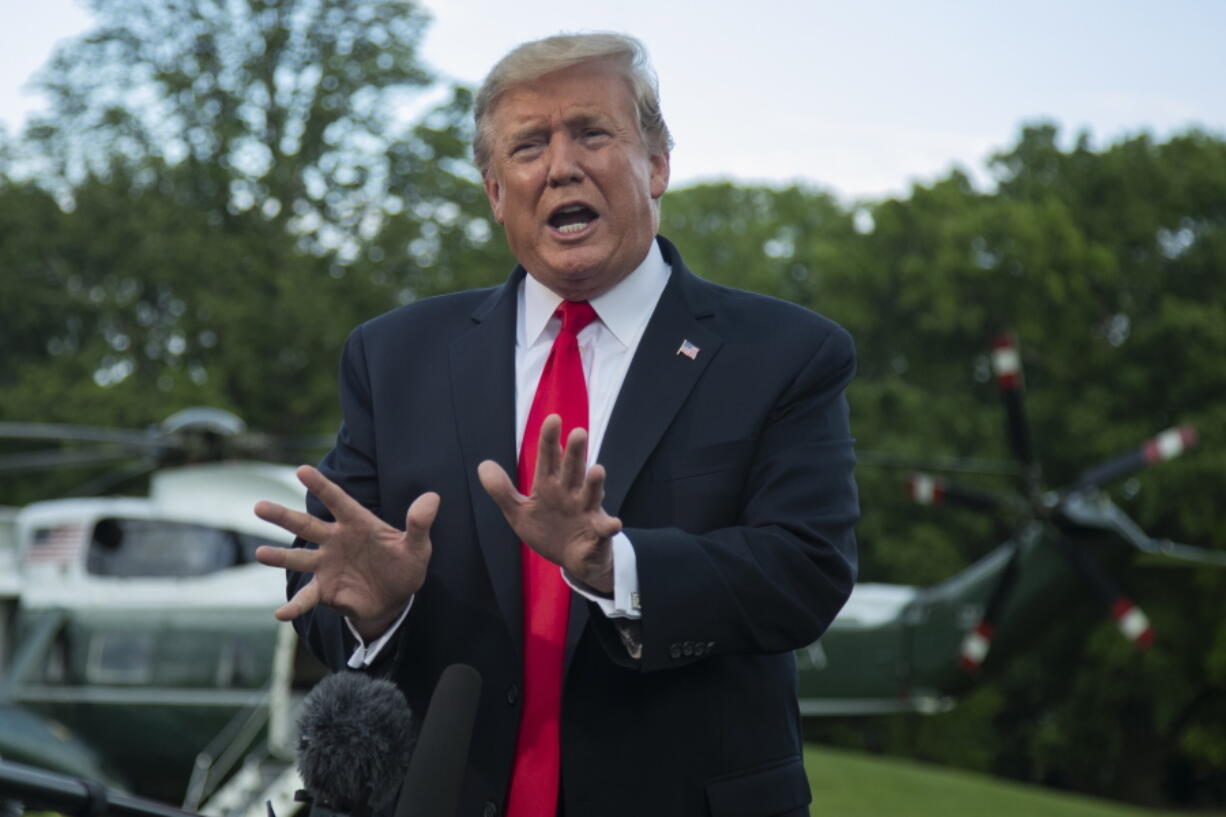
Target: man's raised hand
[[563, 519], [363, 567]]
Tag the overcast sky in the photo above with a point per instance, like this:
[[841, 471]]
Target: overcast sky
[[858, 97]]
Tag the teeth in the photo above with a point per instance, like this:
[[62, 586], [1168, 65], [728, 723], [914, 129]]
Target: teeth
[[571, 208], [573, 228]]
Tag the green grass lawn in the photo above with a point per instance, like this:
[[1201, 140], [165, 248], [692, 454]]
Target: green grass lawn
[[850, 784]]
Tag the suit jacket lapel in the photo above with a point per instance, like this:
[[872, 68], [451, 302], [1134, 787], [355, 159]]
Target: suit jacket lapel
[[660, 378], [483, 380]]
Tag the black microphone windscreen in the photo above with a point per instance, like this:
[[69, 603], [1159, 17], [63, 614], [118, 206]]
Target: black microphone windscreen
[[432, 786], [354, 741]]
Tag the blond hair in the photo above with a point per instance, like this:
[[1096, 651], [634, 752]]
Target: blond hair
[[535, 59]]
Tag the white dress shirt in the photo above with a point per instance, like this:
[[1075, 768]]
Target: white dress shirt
[[606, 347]]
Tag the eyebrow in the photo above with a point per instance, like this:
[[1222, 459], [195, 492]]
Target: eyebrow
[[579, 119], [524, 131], [585, 118]]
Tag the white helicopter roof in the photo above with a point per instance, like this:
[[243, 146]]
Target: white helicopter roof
[[221, 495], [871, 605], [224, 494], [216, 495]]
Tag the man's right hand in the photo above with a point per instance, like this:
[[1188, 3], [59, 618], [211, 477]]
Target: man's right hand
[[364, 568]]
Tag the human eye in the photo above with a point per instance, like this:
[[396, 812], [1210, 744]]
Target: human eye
[[595, 138], [525, 148]]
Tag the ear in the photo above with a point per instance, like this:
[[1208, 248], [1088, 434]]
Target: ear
[[659, 174], [493, 191]]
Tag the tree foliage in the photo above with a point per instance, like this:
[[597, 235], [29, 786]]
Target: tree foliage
[[282, 106], [224, 190]]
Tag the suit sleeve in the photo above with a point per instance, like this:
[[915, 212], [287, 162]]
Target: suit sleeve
[[773, 582]]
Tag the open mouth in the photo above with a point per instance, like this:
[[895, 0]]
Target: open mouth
[[573, 218]]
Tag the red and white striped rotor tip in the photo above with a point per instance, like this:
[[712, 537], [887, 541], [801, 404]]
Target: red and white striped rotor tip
[[1007, 362], [1169, 444], [1132, 622], [925, 489], [975, 646]]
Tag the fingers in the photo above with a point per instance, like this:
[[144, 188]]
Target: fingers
[[592, 493], [552, 462], [298, 523], [592, 501], [499, 486], [548, 449], [303, 600], [574, 460], [419, 518], [607, 526], [340, 504], [303, 560]]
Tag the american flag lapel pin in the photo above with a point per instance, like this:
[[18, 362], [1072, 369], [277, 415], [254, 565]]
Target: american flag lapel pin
[[688, 349]]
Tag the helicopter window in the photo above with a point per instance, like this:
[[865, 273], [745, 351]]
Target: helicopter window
[[120, 658], [151, 547], [244, 664]]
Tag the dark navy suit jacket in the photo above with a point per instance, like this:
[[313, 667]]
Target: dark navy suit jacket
[[732, 473]]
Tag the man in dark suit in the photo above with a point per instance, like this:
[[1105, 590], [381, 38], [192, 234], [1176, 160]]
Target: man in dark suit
[[709, 537]]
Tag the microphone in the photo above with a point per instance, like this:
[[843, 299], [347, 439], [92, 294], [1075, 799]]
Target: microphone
[[432, 786], [354, 743]]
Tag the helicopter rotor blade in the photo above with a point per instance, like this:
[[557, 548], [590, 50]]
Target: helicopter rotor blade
[[1007, 366], [978, 640], [111, 479], [195, 433], [1158, 449], [57, 457], [1096, 509], [1131, 621], [75, 433], [926, 489], [963, 465], [1166, 549]]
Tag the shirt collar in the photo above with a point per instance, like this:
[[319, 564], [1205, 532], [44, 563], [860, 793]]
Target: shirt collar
[[620, 309]]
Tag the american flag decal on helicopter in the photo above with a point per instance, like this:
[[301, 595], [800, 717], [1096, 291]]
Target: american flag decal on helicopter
[[60, 544]]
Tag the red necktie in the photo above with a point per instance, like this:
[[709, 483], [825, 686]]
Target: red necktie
[[562, 391]]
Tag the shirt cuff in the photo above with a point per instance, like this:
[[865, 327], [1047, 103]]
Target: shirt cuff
[[625, 600], [365, 654]]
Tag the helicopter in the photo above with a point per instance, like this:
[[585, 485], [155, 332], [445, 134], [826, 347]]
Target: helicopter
[[137, 643], [896, 648], [142, 651]]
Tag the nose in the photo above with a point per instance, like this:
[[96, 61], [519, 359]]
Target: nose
[[564, 164]]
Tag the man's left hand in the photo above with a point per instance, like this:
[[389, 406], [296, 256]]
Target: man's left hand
[[563, 519]]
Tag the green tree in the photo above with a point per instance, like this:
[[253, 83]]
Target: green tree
[[235, 190], [284, 107], [230, 165], [1108, 265]]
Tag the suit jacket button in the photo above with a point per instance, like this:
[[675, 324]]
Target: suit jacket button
[[675, 651], [687, 649], [490, 810], [512, 699], [699, 649]]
